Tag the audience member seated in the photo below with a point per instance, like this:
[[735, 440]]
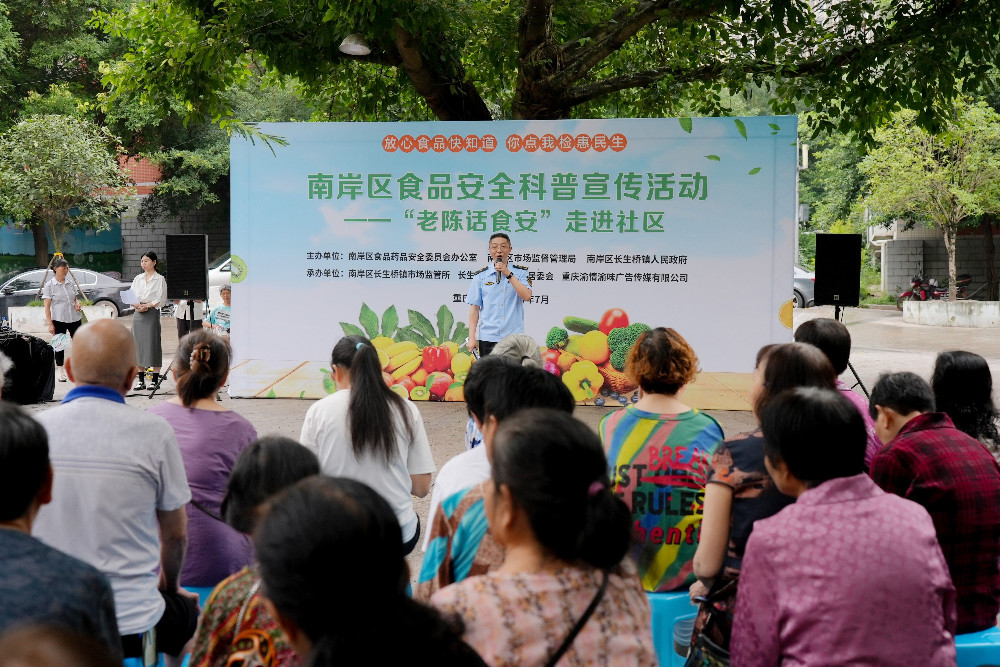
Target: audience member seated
[[39, 584], [739, 490], [659, 450], [567, 586], [461, 544], [210, 438], [119, 492], [929, 461], [332, 565], [469, 468], [367, 432], [5, 366], [963, 390], [848, 574], [54, 646], [833, 338], [261, 470]]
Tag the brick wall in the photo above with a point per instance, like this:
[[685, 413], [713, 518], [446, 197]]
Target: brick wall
[[138, 239], [903, 259]]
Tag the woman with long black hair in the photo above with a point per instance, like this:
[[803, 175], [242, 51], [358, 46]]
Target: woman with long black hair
[[366, 432], [151, 291], [963, 389]]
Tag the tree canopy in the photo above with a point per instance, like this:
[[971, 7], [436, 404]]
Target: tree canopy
[[854, 62], [943, 179], [58, 172]]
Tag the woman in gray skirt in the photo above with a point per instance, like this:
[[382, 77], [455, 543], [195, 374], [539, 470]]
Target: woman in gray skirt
[[150, 289]]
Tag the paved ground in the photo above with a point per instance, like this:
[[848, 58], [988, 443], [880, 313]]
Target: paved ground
[[882, 342]]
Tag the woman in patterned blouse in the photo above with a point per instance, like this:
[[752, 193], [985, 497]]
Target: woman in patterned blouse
[[739, 490], [566, 537]]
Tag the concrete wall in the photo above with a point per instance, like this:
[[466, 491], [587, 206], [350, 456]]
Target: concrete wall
[[903, 259], [138, 239]]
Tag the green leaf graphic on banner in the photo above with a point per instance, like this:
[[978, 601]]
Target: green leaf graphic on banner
[[755, 170], [461, 333], [714, 157], [406, 333], [445, 322], [741, 127], [422, 325], [390, 320], [685, 124], [271, 394], [774, 126], [351, 329], [369, 320]]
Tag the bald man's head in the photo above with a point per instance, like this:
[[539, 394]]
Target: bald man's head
[[103, 353]]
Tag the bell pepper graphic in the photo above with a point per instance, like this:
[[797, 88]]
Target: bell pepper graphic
[[436, 358], [584, 380]]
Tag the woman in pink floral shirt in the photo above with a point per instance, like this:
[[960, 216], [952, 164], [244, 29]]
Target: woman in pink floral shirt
[[566, 537]]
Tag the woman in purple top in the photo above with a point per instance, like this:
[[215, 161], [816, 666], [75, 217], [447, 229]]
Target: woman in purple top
[[210, 438], [848, 574]]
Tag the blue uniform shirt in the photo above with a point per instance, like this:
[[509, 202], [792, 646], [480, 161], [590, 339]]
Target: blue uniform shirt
[[501, 310]]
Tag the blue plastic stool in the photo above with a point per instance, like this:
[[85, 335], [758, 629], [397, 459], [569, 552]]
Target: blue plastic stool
[[978, 648], [667, 609]]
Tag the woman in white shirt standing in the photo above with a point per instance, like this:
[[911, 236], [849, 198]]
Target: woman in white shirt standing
[[150, 289], [366, 432], [62, 307]]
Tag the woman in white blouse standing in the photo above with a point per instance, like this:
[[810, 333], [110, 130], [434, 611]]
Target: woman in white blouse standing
[[150, 289], [62, 307]]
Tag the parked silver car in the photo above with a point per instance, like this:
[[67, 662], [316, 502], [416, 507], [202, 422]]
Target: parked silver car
[[804, 288], [102, 289]]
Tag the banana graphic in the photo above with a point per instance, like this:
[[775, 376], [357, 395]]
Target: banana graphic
[[402, 358], [407, 368], [404, 346]]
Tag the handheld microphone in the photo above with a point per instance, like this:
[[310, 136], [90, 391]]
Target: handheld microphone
[[499, 275]]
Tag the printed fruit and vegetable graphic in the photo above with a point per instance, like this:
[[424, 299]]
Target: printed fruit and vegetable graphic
[[590, 356], [421, 361]]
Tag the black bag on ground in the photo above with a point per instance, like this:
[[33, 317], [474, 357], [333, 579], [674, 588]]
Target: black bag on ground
[[33, 377]]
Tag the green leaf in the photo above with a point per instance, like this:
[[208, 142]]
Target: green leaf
[[351, 329], [369, 320], [741, 126], [421, 324], [302, 394], [774, 126], [406, 333], [714, 157], [461, 333], [685, 124], [390, 320], [755, 170], [271, 394], [445, 322]]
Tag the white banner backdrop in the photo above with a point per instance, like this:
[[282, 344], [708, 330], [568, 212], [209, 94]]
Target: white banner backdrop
[[377, 228]]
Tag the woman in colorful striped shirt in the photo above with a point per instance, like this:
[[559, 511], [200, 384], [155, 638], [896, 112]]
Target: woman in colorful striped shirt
[[658, 452]]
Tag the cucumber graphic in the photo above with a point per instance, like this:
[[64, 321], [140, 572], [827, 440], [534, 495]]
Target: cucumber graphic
[[579, 324]]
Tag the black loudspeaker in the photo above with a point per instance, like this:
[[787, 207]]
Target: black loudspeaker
[[838, 269], [187, 266]]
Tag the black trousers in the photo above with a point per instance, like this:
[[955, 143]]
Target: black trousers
[[184, 327], [65, 327]]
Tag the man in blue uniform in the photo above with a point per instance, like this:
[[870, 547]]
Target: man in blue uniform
[[496, 298]]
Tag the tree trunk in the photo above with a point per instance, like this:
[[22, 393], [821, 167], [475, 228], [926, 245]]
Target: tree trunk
[[992, 286], [949, 245], [41, 244]]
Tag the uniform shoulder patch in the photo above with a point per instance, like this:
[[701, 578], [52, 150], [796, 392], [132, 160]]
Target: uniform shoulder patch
[[480, 270], [519, 266]]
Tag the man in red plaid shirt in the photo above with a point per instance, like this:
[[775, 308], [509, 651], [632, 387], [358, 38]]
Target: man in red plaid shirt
[[929, 461]]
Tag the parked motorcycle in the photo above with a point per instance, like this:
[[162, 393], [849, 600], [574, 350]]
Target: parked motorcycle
[[926, 290]]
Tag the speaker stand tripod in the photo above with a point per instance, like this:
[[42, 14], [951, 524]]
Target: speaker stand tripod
[[838, 314], [163, 375]]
